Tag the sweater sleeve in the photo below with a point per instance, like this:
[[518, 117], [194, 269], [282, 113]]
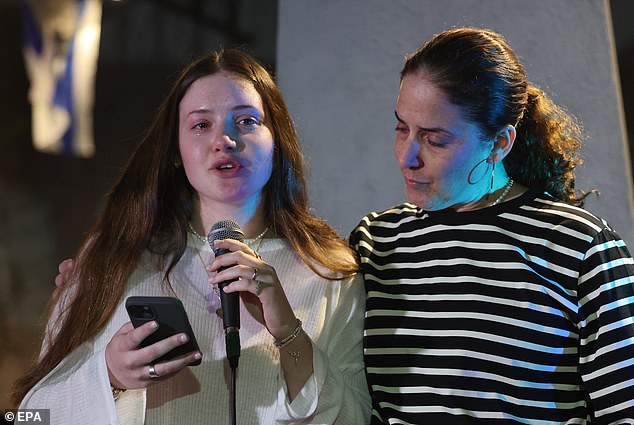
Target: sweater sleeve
[[337, 391], [606, 342], [77, 391]]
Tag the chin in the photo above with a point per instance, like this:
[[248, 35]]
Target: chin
[[426, 204], [418, 199], [420, 204]]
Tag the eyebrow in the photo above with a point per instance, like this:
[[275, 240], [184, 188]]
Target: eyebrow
[[235, 108], [425, 129]]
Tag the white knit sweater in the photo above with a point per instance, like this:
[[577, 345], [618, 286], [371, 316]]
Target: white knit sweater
[[78, 390]]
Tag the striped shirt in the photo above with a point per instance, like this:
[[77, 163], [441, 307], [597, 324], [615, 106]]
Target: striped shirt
[[517, 313]]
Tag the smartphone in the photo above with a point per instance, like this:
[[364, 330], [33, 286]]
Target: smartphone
[[171, 317]]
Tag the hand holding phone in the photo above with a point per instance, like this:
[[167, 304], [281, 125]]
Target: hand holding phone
[[171, 317]]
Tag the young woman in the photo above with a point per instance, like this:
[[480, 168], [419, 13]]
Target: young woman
[[222, 146]]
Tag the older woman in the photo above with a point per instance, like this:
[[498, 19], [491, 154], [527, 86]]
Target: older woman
[[492, 297]]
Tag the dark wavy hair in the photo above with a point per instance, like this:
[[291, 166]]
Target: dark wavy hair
[[150, 205], [479, 72]]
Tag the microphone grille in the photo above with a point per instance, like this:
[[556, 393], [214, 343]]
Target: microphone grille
[[225, 229]]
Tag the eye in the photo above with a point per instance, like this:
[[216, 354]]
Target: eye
[[247, 121], [201, 125], [431, 141], [400, 128]]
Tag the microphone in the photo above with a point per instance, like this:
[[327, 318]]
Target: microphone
[[230, 303]]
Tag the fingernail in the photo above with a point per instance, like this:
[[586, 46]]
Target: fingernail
[[183, 338], [198, 356], [154, 324]]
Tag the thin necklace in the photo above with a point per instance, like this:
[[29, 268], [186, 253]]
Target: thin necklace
[[204, 241], [195, 233], [250, 242], [246, 241], [215, 289], [200, 237], [500, 198]]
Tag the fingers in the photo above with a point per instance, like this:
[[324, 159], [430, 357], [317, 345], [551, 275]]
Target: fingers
[[165, 370], [258, 283], [66, 265], [137, 335], [59, 280], [242, 265], [65, 268], [164, 346], [129, 366], [240, 254], [265, 289], [154, 351], [246, 278]]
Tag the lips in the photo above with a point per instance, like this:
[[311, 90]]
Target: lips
[[226, 166], [414, 182]]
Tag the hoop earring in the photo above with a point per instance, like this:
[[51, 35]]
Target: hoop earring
[[469, 177], [492, 176]]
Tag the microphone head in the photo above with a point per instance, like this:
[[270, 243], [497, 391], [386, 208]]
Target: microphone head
[[225, 229]]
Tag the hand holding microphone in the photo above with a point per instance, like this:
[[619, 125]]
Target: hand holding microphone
[[240, 270]]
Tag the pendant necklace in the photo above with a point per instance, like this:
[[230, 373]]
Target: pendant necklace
[[212, 299]]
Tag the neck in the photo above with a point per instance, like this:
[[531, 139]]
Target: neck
[[502, 185], [251, 220]]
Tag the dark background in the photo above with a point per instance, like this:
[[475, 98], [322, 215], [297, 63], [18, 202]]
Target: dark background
[[47, 202]]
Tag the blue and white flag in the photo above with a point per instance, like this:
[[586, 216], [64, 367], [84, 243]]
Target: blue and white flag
[[61, 47]]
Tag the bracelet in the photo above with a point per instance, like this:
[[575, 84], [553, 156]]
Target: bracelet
[[116, 392], [281, 343]]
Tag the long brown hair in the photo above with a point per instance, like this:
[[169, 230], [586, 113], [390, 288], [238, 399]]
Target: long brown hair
[[479, 72], [150, 205]]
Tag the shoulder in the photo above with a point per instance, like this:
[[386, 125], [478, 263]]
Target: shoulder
[[550, 211], [378, 223], [388, 218], [541, 217]]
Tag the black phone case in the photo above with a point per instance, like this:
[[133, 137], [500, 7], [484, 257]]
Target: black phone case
[[171, 317]]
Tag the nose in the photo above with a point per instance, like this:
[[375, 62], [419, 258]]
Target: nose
[[408, 154], [224, 141]]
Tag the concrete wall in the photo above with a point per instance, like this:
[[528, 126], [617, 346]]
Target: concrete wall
[[338, 64]]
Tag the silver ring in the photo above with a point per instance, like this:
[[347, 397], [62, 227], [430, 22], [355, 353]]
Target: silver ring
[[255, 273], [152, 372], [258, 287]]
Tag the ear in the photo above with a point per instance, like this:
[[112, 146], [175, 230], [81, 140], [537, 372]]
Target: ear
[[503, 143]]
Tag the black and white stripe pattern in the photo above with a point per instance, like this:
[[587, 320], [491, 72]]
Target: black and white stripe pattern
[[518, 313]]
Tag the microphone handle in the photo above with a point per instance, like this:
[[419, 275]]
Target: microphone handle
[[230, 304]]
